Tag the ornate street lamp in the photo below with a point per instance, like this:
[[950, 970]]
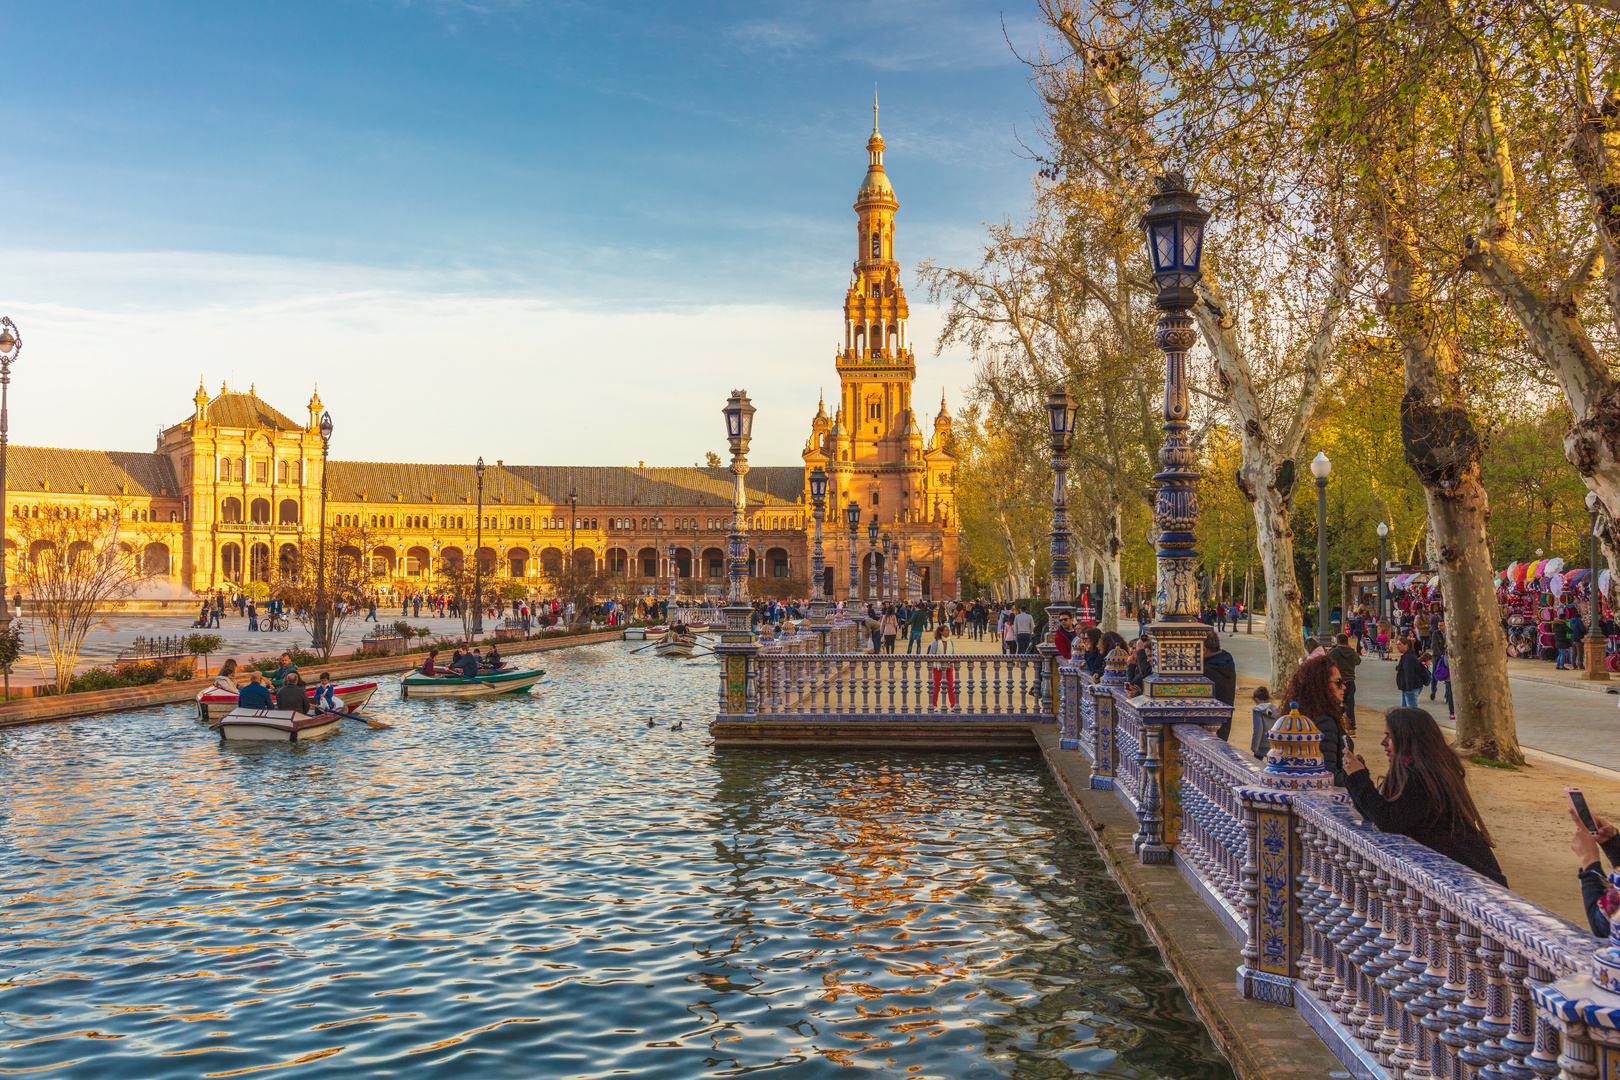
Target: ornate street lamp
[[10, 346], [1320, 468], [852, 518], [1060, 415], [872, 562], [1383, 534], [669, 554], [478, 557], [1597, 669], [737, 645], [1177, 691], [322, 611], [818, 600], [888, 578]]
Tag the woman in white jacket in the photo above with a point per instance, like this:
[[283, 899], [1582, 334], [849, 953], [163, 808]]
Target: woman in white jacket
[[940, 668]]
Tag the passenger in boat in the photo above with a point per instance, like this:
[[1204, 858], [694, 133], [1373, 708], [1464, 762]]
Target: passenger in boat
[[427, 667], [493, 660], [256, 694], [282, 673], [226, 679], [325, 692], [292, 695], [1425, 796], [465, 665]]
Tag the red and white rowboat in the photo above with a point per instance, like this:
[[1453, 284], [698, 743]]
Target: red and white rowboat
[[213, 702]]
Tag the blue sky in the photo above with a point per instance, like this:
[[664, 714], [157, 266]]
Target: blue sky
[[545, 232]]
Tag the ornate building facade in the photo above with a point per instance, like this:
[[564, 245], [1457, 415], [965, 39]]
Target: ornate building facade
[[232, 491]]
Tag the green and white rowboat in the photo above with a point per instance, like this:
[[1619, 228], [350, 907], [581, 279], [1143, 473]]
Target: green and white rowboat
[[510, 680]]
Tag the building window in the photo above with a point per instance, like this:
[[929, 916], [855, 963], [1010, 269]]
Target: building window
[[877, 244], [261, 471], [874, 498], [874, 410]]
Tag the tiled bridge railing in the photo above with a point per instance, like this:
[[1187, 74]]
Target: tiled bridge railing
[[871, 685], [1407, 964]]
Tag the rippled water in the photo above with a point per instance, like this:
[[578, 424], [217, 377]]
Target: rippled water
[[543, 887]]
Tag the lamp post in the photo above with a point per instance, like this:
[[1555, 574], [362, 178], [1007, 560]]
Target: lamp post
[[1320, 468], [1383, 560], [1597, 669], [1060, 416], [872, 561], [886, 583], [852, 518], [1177, 691], [669, 554], [10, 346], [478, 557], [319, 636], [737, 644], [818, 600]]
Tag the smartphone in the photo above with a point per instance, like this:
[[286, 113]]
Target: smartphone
[[1578, 802], [1346, 745]]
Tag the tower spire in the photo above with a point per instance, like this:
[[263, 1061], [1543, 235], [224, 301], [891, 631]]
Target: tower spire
[[874, 109]]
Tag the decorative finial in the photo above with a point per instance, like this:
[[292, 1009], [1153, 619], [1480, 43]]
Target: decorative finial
[[874, 109]]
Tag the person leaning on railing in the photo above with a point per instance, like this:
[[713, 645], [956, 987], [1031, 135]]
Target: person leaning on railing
[[1317, 691], [1425, 796]]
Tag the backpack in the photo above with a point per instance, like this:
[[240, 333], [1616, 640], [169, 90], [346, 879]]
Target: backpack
[[1442, 670]]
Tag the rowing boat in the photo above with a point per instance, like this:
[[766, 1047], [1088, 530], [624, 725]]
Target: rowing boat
[[635, 633], [506, 681], [276, 725], [214, 702], [680, 648]]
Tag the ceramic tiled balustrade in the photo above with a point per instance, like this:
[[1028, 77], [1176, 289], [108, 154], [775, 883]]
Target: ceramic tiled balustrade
[[1407, 964]]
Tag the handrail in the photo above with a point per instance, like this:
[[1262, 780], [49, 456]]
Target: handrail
[[878, 684]]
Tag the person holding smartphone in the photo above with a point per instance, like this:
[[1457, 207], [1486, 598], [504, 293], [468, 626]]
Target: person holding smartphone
[[1425, 796], [1592, 834]]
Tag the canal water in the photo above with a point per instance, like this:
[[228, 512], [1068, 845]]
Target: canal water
[[544, 886]]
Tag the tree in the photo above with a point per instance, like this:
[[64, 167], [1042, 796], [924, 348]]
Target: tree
[[10, 650], [350, 583], [712, 459], [71, 568], [579, 583], [1112, 125], [204, 645]]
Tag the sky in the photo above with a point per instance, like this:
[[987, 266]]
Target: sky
[[550, 233]]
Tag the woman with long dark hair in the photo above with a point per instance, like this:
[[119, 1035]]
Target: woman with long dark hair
[[1317, 690], [1425, 796]]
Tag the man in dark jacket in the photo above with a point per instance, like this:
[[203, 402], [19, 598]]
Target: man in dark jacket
[[1345, 658], [1220, 669], [256, 694], [292, 696]]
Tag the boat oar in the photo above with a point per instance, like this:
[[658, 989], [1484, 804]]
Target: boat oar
[[376, 725], [645, 647]]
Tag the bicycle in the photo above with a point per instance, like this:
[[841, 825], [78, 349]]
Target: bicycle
[[274, 624]]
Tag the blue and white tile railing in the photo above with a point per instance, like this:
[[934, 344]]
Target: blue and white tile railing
[[1408, 965]]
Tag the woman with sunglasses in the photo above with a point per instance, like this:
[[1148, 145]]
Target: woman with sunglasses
[[1425, 796], [1317, 690]]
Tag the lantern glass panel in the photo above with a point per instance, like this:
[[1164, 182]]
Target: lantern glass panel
[[1192, 242], [733, 422], [818, 485], [1164, 246]]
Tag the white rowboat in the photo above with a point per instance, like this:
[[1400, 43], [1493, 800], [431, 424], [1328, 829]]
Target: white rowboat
[[276, 725]]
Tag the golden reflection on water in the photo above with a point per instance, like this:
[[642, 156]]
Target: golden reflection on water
[[546, 887]]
